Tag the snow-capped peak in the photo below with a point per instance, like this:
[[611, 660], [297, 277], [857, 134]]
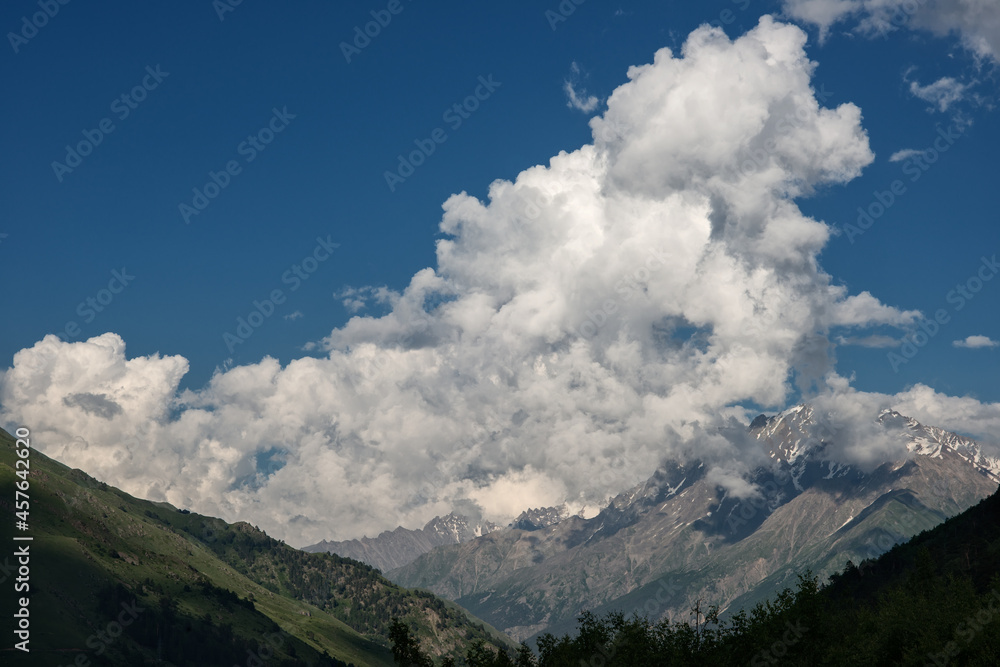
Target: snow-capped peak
[[793, 435]]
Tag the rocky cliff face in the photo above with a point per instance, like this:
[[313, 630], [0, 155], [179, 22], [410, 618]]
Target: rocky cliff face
[[680, 537]]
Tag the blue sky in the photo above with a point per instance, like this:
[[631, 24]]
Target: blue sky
[[323, 176], [224, 77]]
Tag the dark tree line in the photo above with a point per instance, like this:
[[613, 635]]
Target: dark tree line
[[921, 619]]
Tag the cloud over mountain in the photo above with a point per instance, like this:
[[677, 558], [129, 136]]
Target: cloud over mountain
[[599, 313]]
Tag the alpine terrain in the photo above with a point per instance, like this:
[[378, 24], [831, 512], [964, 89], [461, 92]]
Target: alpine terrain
[[680, 539]]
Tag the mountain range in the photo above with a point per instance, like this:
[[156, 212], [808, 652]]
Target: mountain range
[[395, 548], [680, 538], [392, 549], [934, 600], [209, 592]]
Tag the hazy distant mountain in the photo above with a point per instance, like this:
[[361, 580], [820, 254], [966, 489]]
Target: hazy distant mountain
[[395, 548], [680, 537]]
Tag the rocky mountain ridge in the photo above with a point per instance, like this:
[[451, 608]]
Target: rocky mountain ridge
[[680, 537], [536, 519]]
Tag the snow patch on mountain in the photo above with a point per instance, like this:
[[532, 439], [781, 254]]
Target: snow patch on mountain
[[797, 435]]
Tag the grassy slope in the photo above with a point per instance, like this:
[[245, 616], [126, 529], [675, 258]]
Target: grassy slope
[[193, 575]]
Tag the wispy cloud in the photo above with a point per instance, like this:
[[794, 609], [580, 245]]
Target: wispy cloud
[[578, 100], [868, 341], [294, 316], [942, 93], [904, 154]]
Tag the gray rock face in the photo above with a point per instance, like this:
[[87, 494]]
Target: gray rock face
[[679, 537], [536, 519]]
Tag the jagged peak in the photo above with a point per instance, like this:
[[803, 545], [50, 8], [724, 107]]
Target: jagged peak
[[791, 438], [538, 518]]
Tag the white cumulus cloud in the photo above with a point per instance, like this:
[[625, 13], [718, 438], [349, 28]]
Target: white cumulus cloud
[[595, 315], [974, 342]]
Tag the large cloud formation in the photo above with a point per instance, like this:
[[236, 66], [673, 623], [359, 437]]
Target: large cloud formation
[[593, 317]]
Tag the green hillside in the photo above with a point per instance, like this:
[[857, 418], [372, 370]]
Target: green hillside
[[115, 580]]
